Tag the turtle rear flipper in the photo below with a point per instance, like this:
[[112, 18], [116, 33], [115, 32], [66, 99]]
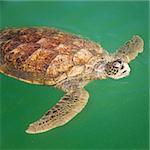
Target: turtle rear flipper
[[131, 48], [69, 106]]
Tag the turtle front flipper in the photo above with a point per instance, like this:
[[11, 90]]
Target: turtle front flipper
[[131, 49], [69, 106]]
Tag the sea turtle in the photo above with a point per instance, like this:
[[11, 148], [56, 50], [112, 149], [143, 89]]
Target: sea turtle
[[49, 56]]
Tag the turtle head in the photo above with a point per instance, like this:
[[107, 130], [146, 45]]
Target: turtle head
[[117, 69]]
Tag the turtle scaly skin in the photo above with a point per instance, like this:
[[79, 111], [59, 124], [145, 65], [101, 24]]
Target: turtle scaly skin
[[52, 57]]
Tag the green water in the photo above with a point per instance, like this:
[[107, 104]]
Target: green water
[[116, 116]]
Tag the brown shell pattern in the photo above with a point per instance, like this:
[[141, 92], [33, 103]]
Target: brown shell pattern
[[43, 55]]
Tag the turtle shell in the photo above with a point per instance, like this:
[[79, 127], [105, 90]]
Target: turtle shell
[[44, 55]]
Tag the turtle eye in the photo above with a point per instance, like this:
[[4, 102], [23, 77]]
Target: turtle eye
[[117, 64]]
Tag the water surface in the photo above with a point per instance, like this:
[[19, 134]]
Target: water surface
[[116, 116]]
